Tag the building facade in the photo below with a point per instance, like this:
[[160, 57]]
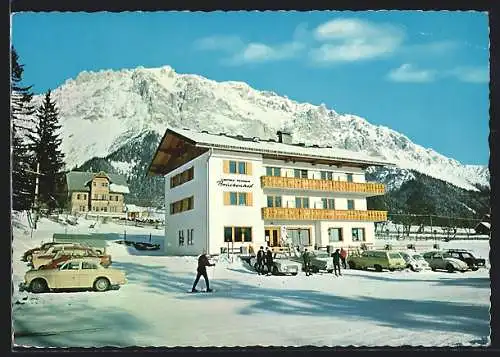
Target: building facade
[[245, 191], [96, 193]]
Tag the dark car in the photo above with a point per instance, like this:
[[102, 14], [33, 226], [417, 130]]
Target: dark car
[[468, 257]]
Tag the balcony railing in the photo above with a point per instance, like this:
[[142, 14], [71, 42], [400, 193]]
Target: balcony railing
[[308, 214], [370, 188]]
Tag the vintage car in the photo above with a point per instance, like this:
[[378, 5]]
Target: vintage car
[[62, 257], [75, 251], [320, 261], [414, 261], [28, 255], [444, 261], [281, 265], [76, 273], [467, 256], [377, 259]]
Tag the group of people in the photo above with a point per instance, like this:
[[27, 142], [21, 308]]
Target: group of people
[[339, 257], [264, 259]]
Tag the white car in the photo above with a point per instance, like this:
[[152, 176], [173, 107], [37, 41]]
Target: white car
[[414, 261], [281, 265]]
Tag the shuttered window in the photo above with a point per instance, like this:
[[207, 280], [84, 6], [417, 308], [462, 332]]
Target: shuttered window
[[237, 167], [238, 199]]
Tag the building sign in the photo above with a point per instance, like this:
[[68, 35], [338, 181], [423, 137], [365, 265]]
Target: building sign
[[229, 182]]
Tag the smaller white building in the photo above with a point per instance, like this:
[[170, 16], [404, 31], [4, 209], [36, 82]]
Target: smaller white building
[[222, 189]]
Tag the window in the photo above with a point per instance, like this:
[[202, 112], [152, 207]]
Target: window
[[328, 203], [232, 167], [273, 201], [301, 202], [242, 199], [299, 236], [273, 171], [185, 204], [181, 238], [94, 184], [78, 196], [89, 265], [85, 196], [358, 234], [105, 209], [71, 266], [326, 175], [237, 234], [104, 184], [350, 204], [335, 235], [82, 208], [349, 177], [238, 199], [182, 177], [94, 196], [242, 167], [395, 256], [190, 237], [300, 173]]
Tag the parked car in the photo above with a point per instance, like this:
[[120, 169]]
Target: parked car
[[282, 264], [79, 273], [444, 261], [420, 260], [75, 251], [468, 257], [377, 259], [414, 261], [62, 257], [28, 255], [320, 261]]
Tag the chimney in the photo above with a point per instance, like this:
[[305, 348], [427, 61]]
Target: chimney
[[283, 137]]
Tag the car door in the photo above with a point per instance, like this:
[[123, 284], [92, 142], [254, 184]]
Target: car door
[[438, 261], [68, 275], [88, 274]]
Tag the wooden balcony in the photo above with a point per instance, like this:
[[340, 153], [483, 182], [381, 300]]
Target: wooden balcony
[[313, 214], [367, 188]]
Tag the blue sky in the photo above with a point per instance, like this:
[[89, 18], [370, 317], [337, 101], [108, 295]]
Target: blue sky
[[424, 74]]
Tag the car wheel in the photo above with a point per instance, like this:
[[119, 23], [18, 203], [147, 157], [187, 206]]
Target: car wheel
[[294, 274], [275, 270], [315, 269], [101, 284], [352, 265], [433, 269], [256, 267], [38, 286], [475, 268], [29, 258], [450, 268], [330, 271], [391, 269], [377, 268]]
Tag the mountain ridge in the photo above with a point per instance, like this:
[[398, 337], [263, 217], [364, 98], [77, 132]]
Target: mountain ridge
[[104, 110]]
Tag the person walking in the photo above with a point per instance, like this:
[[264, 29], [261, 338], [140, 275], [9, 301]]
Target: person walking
[[343, 257], [269, 261], [336, 262], [260, 260], [203, 263], [307, 262]]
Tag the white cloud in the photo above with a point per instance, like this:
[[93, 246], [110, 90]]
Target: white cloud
[[227, 43], [471, 74], [260, 52], [354, 40], [409, 73], [432, 48]]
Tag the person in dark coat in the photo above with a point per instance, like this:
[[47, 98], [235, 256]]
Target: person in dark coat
[[260, 260], [336, 262], [269, 261], [306, 256], [203, 263], [343, 257]]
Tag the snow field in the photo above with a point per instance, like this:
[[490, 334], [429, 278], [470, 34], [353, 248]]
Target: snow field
[[361, 308]]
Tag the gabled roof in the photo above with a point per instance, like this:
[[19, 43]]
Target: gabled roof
[[78, 181], [184, 138]]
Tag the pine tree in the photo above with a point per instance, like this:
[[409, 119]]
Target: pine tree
[[46, 144], [22, 123]]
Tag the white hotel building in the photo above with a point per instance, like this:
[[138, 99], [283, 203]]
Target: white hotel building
[[221, 188]]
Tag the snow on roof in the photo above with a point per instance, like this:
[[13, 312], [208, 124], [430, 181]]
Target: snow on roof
[[205, 139], [118, 188], [134, 208], [486, 224]]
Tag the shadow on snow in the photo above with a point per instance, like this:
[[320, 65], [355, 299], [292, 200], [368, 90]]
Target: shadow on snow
[[389, 312]]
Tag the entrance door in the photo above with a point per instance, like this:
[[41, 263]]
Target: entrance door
[[272, 235]]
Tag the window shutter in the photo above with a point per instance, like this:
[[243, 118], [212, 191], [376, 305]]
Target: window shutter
[[226, 166], [226, 199], [249, 168], [249, 199]]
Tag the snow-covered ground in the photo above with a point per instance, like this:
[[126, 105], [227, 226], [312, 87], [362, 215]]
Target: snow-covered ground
[[361, 308]]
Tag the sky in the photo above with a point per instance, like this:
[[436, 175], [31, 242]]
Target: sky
[[423, 74]]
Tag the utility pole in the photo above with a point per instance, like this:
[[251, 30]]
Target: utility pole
[[35, 203]]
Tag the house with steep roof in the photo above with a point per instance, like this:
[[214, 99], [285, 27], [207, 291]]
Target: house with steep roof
[[222, 189], [98, 193]]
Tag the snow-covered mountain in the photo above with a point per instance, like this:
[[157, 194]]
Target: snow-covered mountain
[[103, 111]]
